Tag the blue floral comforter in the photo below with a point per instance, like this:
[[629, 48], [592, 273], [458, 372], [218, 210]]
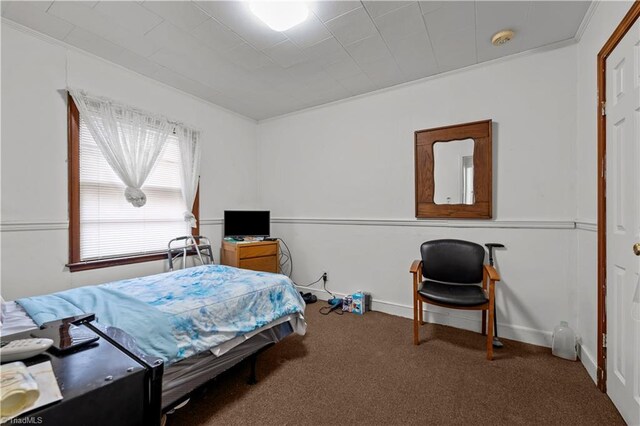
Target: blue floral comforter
[[178, 314]]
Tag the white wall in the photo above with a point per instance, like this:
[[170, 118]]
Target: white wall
[[34, 153], [340, 177], [605, 19], [352, 161]]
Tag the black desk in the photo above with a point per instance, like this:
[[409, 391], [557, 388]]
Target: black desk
[[101, 384]]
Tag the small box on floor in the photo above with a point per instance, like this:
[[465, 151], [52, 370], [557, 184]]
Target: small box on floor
[[357, 303]]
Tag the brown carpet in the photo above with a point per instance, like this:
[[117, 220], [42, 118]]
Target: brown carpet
[[365, 370]]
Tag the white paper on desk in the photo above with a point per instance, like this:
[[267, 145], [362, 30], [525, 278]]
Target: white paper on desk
[[47, 385]]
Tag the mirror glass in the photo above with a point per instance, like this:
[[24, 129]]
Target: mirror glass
[[453, 172]]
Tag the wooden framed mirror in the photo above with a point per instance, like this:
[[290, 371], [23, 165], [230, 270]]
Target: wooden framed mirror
[[453, 171]]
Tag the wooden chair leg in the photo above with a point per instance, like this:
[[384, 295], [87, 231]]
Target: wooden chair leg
[[416, 330], [421, 316], [490, 335], [484, 323]]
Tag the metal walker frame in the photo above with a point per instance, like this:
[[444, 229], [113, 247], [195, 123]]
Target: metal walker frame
[[191, 244]]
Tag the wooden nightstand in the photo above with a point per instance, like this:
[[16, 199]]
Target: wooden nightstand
[[255, 255]]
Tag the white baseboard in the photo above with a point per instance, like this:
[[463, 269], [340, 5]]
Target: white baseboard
[[508, 331], [589, 362]]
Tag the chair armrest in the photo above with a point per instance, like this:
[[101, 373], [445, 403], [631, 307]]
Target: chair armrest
[[416, 266], [492, 273]]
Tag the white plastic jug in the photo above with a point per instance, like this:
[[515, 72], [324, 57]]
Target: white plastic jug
[[563, 344]]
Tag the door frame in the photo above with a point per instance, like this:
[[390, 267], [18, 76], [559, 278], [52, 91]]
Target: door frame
[[618, 34]]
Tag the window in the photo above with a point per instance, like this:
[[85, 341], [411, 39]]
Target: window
[[105, 229]]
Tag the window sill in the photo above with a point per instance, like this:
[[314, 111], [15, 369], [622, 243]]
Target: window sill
[[115, 261]]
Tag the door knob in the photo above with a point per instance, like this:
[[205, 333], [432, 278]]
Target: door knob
[[636, 249]]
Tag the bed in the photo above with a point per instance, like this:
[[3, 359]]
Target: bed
[[200, 321]]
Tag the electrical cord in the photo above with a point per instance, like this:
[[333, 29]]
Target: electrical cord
[[309, 285], [333, 308], [324, 286], [284, 259], [287, 257]]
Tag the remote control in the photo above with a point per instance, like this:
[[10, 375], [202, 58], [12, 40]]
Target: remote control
[[15, 350]]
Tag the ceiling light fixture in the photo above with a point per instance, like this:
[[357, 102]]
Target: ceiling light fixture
[[280, 15], [501, 37]]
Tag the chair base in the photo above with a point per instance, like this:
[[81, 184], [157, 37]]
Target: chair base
[[487, 326]]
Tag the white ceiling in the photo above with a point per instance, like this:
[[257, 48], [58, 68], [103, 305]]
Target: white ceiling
[[218, 51]]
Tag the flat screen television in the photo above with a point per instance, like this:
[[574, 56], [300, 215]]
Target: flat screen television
[[247, 223]]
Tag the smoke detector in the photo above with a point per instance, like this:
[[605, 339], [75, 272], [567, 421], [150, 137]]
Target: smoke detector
[[501, 37]]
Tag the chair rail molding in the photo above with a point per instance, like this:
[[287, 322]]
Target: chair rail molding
[[212, 222], [17, 226], [14, 226], [585, 225], [428, 223], [63, 225]]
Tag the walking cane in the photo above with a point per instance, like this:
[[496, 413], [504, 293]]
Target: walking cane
[[496, 341]]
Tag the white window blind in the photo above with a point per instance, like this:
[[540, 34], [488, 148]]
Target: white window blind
[[109, 225]]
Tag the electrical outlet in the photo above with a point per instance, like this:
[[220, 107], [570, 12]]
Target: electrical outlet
[[325, 276]]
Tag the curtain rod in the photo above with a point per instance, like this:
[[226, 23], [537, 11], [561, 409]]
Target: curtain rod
[[134, 108]]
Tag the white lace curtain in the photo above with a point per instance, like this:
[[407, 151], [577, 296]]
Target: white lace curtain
[[130, 140], [189, 142]]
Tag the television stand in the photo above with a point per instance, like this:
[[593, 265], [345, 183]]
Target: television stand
[[254, 255]]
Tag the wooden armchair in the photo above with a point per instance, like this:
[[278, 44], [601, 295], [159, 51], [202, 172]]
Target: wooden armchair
[[453, 271]]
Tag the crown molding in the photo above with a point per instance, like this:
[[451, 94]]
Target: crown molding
[[65, 45], [545, 48], [586, 19], [508, 58]]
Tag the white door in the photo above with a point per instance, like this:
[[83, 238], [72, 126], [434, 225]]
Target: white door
[[623, 225]]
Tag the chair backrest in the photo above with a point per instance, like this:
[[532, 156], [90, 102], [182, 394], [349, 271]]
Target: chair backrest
[[453, 261]]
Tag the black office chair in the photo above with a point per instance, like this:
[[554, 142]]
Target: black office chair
[[453, 271]]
